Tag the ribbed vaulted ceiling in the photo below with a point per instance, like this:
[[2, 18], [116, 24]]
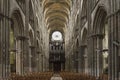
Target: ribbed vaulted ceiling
[[56, 13]]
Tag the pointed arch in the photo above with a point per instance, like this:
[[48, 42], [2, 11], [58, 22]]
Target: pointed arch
[[16, 41], [31, 38], [84, 36], [99, 35], [100, 19], [17, 23]]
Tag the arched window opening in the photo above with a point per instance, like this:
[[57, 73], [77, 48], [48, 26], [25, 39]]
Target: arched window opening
[[57, 36]]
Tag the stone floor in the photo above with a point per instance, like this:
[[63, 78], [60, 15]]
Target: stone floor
[[56, 77]]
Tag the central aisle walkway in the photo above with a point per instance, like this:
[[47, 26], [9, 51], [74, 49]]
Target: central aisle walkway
[[56, 77]]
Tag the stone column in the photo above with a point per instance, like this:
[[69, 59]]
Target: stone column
[[114, 42], [76, 60], [99, 55], [18, 57], [20, 54], [38, 61], [26, 32], [81, 58], [32, 59], [42, 63], [90, 54], [86, 59], [4, 38], [117, 53], [95, 57], [119, 40], [1, 7]]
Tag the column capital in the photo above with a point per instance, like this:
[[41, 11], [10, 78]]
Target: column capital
[[4, 16], [98, 35], [13, 50], [20, 37], [84, 45], [38, 52], [32, 46]]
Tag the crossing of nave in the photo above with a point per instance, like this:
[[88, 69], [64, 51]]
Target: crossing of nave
[[55, 76]]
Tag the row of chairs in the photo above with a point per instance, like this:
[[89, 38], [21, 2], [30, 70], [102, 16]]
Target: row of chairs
[[32, 76], [103, 77], [78, 76]]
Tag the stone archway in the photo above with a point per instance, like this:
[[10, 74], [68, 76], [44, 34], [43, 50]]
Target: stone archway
[[16, 42], [100, 34]]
